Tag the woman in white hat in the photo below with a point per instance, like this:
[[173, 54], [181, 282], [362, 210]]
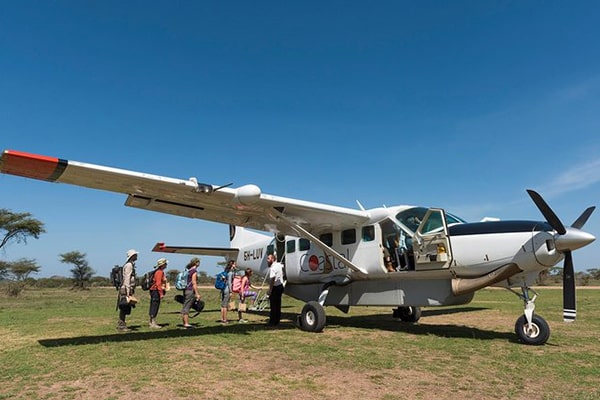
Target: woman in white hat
[[126, 298], [157, 291]]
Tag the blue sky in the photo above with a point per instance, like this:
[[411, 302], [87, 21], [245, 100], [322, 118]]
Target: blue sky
[[461, 105]]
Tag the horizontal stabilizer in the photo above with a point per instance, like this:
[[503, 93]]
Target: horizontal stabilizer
[[202, 251]]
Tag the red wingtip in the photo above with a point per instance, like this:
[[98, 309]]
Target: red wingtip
[[32, 165]]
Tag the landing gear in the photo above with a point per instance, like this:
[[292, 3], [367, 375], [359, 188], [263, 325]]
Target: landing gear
[[312, 318], [530, 328], [407, 314], [535, 333]]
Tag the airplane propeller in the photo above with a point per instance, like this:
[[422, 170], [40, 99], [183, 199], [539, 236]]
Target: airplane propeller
[[566, 241]]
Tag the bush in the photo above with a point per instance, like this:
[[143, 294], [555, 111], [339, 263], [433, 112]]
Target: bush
[[14, 288]]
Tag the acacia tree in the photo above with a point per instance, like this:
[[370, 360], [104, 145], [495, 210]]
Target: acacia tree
[[22, 268], [3, 270], [18, 227], [594, 273], [81, 272]]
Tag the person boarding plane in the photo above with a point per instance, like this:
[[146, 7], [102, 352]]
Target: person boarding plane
[[403, 256]]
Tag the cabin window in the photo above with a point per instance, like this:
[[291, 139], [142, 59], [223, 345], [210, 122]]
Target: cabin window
[[368, 233], [303, 244], [290, 246], [349, 236], [327, 238]]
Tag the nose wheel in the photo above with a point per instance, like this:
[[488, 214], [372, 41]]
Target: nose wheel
[[533, 333], [531, 328]]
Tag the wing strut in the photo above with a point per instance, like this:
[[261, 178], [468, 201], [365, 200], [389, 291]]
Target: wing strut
[[307, 235]]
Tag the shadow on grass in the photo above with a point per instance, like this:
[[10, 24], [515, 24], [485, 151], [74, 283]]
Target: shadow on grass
[[136, 335], [372, 321]]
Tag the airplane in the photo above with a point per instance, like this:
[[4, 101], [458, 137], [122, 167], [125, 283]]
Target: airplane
[[406, 257]]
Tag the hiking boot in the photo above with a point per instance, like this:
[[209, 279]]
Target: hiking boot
[[121, 327], [153, 324]]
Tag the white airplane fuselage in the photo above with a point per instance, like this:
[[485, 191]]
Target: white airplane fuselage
[[471, 251]]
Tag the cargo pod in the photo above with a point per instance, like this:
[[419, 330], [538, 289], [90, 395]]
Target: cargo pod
[[431, 244]]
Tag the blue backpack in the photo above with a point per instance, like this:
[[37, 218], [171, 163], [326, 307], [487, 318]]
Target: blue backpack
[[221, 281], [181, 280]]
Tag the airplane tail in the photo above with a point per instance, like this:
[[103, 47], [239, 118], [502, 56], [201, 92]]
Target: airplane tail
[[240, 237]]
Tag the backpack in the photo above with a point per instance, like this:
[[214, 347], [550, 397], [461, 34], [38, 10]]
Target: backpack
[[221, 281], [237, 284], [116, 276], [147, 280], [181, 281]]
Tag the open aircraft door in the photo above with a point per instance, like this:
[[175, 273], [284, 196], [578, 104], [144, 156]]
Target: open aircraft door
[[431, 244]]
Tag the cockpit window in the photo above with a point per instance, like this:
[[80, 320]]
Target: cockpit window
[[452, 219], [412, 218]]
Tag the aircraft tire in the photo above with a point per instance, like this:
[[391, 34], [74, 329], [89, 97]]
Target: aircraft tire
[[408, 314], [313, 317], [537, 334]]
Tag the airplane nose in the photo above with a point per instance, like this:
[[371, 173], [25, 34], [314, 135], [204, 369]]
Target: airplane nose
[[573, 239]]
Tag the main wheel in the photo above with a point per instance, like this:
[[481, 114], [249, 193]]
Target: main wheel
[[313, 317], [408, 314], [536, 334]]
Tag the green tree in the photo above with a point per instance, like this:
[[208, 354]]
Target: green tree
[[22, 268], [81, 272], [3, 270], [172, 275], [594, 273], [18, 227]]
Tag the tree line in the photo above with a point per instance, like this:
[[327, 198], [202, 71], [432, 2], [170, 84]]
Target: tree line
[[15, 275]]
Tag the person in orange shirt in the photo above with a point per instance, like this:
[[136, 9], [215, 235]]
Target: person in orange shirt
[[157, 291]]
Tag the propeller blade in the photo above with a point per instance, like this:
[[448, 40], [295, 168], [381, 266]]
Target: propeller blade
[[579, 222], [547, 212], [569, 306]]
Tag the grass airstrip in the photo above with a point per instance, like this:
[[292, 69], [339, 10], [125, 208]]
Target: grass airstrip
[[62, 344]]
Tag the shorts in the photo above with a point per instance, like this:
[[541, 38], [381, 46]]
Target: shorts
[[225, 298]]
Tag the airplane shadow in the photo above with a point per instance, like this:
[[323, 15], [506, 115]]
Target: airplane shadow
[[371, 321], [386, 322]]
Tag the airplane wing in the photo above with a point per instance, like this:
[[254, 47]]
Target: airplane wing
[[228, 253], [243, 206]]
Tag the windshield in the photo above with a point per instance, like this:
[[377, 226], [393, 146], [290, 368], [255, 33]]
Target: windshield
[[412, 217]]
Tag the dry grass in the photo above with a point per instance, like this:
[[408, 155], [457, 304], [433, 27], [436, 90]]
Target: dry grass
[[63, 345]]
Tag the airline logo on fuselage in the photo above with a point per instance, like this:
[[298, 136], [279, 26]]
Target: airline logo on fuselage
[[321, 264]]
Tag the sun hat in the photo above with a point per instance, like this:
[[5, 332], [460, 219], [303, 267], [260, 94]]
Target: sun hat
[[161, 262], [131, 253]]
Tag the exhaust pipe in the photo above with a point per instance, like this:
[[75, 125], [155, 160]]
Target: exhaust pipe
[[462, 286]]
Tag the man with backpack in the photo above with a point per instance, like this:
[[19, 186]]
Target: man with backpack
[[157, 291], [126, 298], [224, 283], [191, 293]]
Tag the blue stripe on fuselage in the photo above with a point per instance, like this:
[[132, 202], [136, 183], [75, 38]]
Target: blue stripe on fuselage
[[481, 228]]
